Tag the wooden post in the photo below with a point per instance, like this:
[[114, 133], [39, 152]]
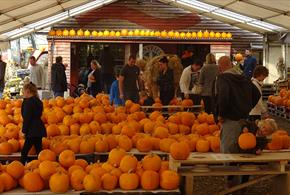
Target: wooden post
[[189, 181], [127, 52]]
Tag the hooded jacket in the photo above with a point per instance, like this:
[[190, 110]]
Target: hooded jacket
[[236, 96], [31, 112]]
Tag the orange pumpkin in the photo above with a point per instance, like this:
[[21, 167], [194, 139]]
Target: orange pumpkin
[[161, 132], [109, 181], [187, 103], [129, 181], [15, 169], [179, 150], [76, 179], [92, 184], [115, 156], [151, 162], [128, 163], [59, 182], [144, 144], [247, 141], [81, 162], [32, 182], [6, 148], [125, 143], [169, 180], [67, 158], [46, 169], [101, 146], [8, 181], [47, 154], [202, 145], [150, 180], [166, 143]]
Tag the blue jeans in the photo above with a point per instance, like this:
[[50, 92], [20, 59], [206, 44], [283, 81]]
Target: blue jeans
[[58, 93]]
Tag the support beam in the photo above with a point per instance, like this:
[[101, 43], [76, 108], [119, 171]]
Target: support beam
[[141, 51]]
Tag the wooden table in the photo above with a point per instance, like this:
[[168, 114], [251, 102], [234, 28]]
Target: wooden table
[[265, 166]]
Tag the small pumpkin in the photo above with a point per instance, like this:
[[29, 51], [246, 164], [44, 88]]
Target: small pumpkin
[[76, 179], [67, 158], [15, 169], [32, 182], [115, 156], [169, 180], [92, 184], [151, 162], [109, 181], [247, 140]]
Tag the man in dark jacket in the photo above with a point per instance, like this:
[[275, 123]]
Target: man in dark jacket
[[235, 97], [2, 76], [249, 64], [58, 78]]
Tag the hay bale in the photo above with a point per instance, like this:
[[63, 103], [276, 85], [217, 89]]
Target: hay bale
[[151, 72]]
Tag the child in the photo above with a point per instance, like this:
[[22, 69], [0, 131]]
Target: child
[[259, 111], [114, 91], [263, 130], [145, 99], [33, 127]]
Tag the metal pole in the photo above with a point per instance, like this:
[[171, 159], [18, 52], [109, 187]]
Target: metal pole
[[141, 50]]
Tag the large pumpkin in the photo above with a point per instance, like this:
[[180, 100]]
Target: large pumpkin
[[151, 162], [76, 179], [46, 169], [67, 158], [115, 156], [59, 182], [150, 180], [247, 141], [92, 184], [169, 180], [32, 182], [128, 163], [15, 169], [46, 155], [179, 150], [109, 181], [144, 144], [9, 182], [129, 181], [202, 145]]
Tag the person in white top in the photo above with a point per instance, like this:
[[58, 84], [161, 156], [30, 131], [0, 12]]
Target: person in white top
[[188, 82], [260, 110], [36, 74]]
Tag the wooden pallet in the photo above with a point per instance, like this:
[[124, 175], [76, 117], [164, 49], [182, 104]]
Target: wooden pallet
[[265, 166]]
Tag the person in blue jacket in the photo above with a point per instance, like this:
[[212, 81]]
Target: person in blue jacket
[[114, 91], [249, 64]]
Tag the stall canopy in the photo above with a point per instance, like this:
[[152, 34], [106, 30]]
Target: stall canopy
[[18, 18]]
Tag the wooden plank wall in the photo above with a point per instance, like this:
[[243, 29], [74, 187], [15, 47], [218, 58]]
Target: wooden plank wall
[[59, 49]]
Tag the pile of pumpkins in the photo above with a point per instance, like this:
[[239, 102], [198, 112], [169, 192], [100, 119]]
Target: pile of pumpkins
[[87, 125], [141, 33], [65, 172], [283, 99]]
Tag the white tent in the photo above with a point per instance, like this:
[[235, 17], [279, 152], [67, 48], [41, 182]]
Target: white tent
[[255, 15], [21, 17]]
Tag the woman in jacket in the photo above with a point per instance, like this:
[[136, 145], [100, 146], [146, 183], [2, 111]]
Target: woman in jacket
[[207, 77], [259, 111], [94, 79], [165, 82], [33, 127]]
